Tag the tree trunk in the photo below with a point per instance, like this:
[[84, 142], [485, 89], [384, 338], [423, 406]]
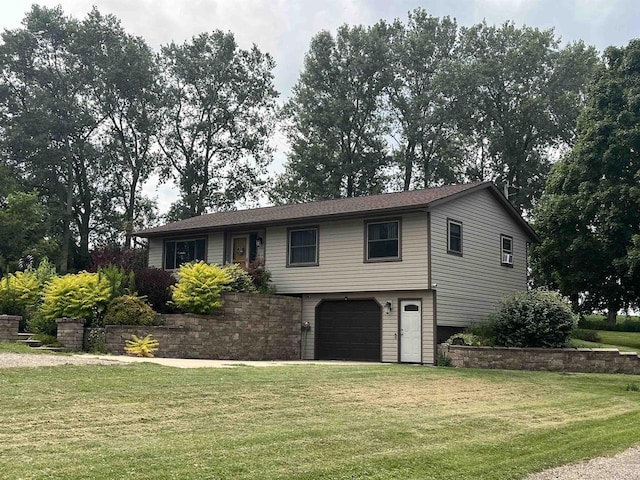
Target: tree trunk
[[612, 315]]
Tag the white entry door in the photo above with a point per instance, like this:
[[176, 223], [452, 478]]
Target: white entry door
[[410, 331]]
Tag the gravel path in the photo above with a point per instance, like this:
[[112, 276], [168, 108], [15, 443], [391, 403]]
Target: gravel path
[[11, 360], [624, 466]]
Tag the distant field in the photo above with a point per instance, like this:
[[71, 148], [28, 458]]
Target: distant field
[[623, 341], [307, 422]]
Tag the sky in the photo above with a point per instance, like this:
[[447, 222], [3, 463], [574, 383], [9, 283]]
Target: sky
[[284, 28]]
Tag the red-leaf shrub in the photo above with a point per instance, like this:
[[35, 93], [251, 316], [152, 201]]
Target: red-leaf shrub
[[154, 284]]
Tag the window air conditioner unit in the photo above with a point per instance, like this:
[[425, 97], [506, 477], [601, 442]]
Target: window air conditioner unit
[[507, 258]]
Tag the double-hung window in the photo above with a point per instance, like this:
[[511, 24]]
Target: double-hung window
[[303, 247], [382, 241], [506, 250], [454, 237], [177, 252]]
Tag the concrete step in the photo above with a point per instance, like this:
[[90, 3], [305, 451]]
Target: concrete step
[[30, 342]]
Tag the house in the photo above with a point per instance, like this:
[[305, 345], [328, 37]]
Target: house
[[381, 278]]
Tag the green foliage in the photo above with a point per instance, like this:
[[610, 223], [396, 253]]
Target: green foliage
[[468, 339], [240, 280], [199, 287], [586, 335], [41, 325], [600, 322], [18, 291], [633, 387], [336, 121], [47, 339], [83, 295], [219, 99], [120, 282], [522, 94], [141, 347], [129, 310], [483, 331], [589, 216], [430, 151], [96, 340], [444, 360], [24, 224], [538, 318]]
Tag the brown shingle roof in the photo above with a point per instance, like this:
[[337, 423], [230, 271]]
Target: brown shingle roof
[[320, 210]]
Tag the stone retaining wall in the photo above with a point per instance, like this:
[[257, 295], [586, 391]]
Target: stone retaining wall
[[9, 325], [247, 327], [585, 360], [71, 333]]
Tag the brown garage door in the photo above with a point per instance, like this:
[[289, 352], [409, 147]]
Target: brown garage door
[[348, 330]]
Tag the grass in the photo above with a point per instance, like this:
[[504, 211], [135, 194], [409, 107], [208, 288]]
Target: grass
[[623, 341], [306, 422], [9, 347]]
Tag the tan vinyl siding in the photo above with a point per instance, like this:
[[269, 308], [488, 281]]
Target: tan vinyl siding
[[155, 252], [389, 321], [470, 286], [341, 259]]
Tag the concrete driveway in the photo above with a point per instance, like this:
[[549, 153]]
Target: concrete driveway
[[193, 363]]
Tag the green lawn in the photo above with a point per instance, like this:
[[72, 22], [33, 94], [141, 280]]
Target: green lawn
[[306, 422], [623, 341]]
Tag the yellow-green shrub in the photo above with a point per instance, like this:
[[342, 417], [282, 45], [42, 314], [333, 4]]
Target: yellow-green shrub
[[199, 286], [141, 347], [129, 310], [19, 291], [240, 281], [76, 296]]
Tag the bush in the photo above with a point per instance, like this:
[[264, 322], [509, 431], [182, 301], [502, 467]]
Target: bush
[[18, 291], [96, 341], [83, 295], [586, 335], [155, 285], [199, 287], [129, 310], [261, 277], [240, 279], [538, 318], [465, 339], [43, 326], [120, 281]]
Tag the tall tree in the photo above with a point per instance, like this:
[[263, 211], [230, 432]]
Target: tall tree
[[218, 114], [336, 123], [423, 102], [123, 86], [523, 94], [48, 120], [589, 215]]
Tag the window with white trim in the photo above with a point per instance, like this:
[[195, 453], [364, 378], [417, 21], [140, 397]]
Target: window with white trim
[[303, 247], [454, 237], [506, 250], [178, 252], [383, 240]]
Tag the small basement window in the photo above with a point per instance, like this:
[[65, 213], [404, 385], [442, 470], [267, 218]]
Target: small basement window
[[383, 241], [454, 237], [177, 252], [506, 250]]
